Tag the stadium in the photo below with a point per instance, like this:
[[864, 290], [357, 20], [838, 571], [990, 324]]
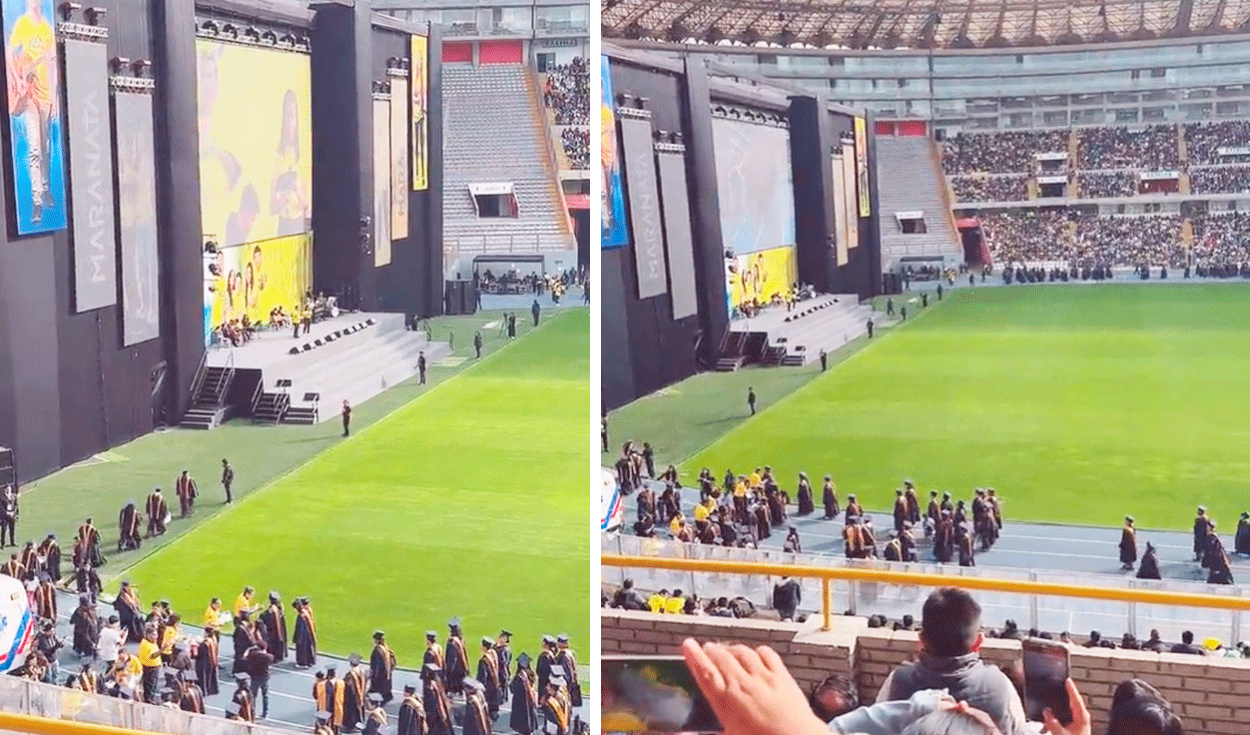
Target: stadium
[[292, 319], [1026, 273]]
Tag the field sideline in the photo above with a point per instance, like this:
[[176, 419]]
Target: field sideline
[[470, 502], [1079, 403]]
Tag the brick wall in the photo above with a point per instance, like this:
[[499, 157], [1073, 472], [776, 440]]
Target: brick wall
[[1209, 693]]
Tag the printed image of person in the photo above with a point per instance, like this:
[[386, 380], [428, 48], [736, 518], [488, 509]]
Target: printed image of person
[[420, 153], [137, 206], [221, 173], [32, 83], [256, 282], [607, 159], [288, 198]]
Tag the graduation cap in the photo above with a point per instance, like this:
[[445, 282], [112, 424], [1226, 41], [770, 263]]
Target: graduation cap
[[524, 660], [375, 698], [557, 679], [232, 709], [378, 635], [169, 671], [431, 635], [548, 639], [471, 683], [168, 693], [331, 672], [242, 679], [321, 674], [410, 689], [275, 597], [322, 715], [508, 633], [454, 623], [432, 668], [487, 642], [353, 659], [164, 603], [1128, 518], [51, 535], [562, 638], [851, 496]]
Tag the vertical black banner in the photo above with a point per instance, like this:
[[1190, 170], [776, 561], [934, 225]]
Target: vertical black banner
[[90, 175], [136, 197], [644, 205]]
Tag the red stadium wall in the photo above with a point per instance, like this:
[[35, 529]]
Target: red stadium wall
[[913, 127], [457, 52], [883, 127], [501, 52]]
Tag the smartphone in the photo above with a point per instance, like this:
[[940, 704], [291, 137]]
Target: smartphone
[[652, 694], [1045, 680]]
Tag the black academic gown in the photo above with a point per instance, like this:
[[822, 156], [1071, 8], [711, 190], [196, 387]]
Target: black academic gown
[[568, 662], [437, 707], [51, 551], [555, 711], [1149, 566], [1241, 542], [206, 666], [305, 641], [807, 504], [375, 723], [275, 632], [354, 690], [504, 655], [381, 671], [488, 675], [524, 718], [477, 717], [411, 716], [546, 659], [242, 639], [830, 499], [1128, 546], [457, 665]]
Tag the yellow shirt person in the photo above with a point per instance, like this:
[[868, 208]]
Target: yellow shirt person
[[32, 48], [656, 603], [149, 654]]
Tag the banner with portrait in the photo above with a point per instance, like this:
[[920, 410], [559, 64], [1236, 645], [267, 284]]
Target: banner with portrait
[[36, 150], [850, 180], [255, 130], [257, 277], [420, 82], [382, 182], [399, 158], [760, 275], [136, 215], [614, 233], [861, 166]]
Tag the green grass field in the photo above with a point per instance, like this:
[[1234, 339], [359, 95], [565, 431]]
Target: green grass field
[[470, 500], [1079, 403]]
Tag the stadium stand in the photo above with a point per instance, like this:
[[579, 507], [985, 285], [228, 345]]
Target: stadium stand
[[1106, 185], [1152, 148], [1204, 141], [1220, 180], [999, 153], [910, 179], [576, 142], [567, 92], [990, 188], [491, 136]]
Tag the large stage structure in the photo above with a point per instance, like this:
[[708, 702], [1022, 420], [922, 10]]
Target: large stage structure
[[721, 190], [256, 123]]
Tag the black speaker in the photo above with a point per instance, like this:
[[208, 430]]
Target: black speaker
[[466, 296], [451, 303], [8, 468]]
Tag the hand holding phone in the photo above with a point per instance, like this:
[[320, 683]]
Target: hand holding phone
[[652, 694], [1046, 673]]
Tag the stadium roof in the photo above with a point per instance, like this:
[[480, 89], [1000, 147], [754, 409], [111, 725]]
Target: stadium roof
[[921, 24]]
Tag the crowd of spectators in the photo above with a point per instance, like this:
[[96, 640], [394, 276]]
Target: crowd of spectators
[[568, 92], [990, 188], [576, 142], [1152, 148], [1203, 141], [999, 153], [1026, 235], [1220, 180], [1221, 238], [1133, 240], [1108, 184]]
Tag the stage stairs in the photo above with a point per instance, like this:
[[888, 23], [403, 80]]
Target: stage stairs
[[825, 322], [208, 407]]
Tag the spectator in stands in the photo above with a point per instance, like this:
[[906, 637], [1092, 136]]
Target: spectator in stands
[[990, 188], [628, 598], [950, 638], [576, 142], [1220, 180], [1106, 185], [833, 697], [1150, 148], [1204, 140], [1000, 153], [1137, 708], [567, 92], [1187, 644]]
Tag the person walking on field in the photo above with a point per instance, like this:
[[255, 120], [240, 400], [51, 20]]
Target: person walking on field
[[751, 399]]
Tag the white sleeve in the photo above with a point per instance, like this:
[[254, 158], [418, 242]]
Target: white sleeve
[[884, 694]]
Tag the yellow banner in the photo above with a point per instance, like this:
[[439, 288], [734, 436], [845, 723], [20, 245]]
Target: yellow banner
[[420, 134], [399, 158], [255, 278], [861, 164], [255, 128], [758, 276]]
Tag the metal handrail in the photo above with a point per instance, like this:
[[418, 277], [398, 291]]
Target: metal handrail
[[826, 575], [198, 380]]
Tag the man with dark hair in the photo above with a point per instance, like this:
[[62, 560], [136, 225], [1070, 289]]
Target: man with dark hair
[[1137, 708], [227, 479], [950, 639], [833, 697], [751, 399], [1187, 644], [786, 597]]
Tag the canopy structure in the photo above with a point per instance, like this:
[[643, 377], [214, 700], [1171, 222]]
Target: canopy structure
[[920, 24]]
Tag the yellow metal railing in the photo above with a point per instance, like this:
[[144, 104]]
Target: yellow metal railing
[[826, 575], [48, 726]]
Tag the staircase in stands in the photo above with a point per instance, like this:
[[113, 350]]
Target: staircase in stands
[[910, 179]]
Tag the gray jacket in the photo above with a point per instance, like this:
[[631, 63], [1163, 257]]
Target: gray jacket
[[888, 718], [967, 678]]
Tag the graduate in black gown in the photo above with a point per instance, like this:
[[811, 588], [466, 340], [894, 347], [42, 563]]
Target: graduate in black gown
[[381, 668], [1241, 542], [1149, 568], [434, 696], [411, 713], [50, 552], [1128, 544], [477, 718], [546, 661], [504, 653], [375, 718], [524, 717], [274, 619], [829, 497], [305, 634], [807, 504], [488, 676], [355, 692], [568, 661], [206, 657], [457, 666]]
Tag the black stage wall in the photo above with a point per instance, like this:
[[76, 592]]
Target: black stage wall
[[68, 388]]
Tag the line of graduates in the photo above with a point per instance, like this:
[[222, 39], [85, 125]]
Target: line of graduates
[[156, 509], [1208, 548], [358, 699]]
